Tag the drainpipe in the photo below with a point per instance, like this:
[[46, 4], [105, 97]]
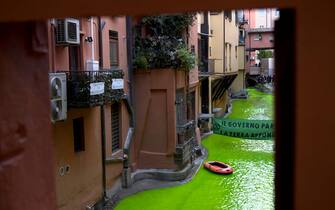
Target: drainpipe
[[103, 149], [92, 35], [102, 114], [126, 172], [52, 44], [101, 57]]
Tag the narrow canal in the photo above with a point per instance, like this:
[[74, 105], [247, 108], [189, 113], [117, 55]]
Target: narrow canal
[[249, 187]]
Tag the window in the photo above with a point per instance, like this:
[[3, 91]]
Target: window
[[181, 107], [236, 18], [191, 112], [113, 48], [228, 14], [115, 118], [241, 36], [229, 57], [79, 134], [225, 57], [74, 57]]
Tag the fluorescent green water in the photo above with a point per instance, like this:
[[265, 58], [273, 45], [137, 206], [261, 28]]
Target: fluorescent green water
[[249, 187]]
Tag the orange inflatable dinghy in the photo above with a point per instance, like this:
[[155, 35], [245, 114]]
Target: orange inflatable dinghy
[[218, 167]]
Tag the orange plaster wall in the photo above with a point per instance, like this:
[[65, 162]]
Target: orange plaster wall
[[155, 133], [113, 170], [83, 184]]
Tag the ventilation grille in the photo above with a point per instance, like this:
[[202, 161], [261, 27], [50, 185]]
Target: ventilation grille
[[72, 31], [67, 31], [58, 96], [60, 33]]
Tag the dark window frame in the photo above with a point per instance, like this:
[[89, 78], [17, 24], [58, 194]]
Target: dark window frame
[[114, 41], [75, 57], [78, 134], [116, 116], [192, 106], [228, 14], [181, 106]]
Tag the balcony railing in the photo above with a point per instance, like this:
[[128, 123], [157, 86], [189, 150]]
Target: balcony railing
[[185, 132], [94, 88], [185, 144]]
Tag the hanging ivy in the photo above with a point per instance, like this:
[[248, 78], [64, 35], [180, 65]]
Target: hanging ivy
[[160, 42], [79, 88]]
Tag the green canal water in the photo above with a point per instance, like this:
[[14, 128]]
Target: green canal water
[[251, 186]]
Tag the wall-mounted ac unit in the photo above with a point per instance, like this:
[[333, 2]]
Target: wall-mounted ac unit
[[67, 31], [58, 96]]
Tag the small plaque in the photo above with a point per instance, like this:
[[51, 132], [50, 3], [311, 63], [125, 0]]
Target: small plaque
[[117, 84], [97, 88]]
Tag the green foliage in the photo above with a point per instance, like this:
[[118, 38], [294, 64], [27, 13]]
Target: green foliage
[[265, 54], [79, 88], [168, 25], [141, 62], [163, 44], [185, 59]]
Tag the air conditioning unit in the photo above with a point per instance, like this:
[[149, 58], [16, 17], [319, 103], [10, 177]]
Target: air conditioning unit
[[58, 96], [67, 31]]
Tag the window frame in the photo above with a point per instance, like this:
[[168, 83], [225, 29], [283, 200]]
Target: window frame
[[78, 125], [78, 57], [117, 106], [113, 38]]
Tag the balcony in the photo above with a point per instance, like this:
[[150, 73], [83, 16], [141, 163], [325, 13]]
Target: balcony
[[94, 88]]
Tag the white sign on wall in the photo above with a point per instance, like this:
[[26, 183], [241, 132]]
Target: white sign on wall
[[97, 88], [117, 84]]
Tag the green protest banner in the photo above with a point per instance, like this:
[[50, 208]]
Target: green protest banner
[[246, 129]]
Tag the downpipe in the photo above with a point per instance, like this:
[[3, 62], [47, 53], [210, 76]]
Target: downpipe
[[126, 179], [126, 171], [102, 113]]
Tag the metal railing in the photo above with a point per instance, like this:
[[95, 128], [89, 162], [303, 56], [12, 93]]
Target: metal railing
[[185, 132], [185, 143], [92, 88]]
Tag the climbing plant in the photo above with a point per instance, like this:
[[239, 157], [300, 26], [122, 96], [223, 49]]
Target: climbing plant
[[160, 42], [265, 54]]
